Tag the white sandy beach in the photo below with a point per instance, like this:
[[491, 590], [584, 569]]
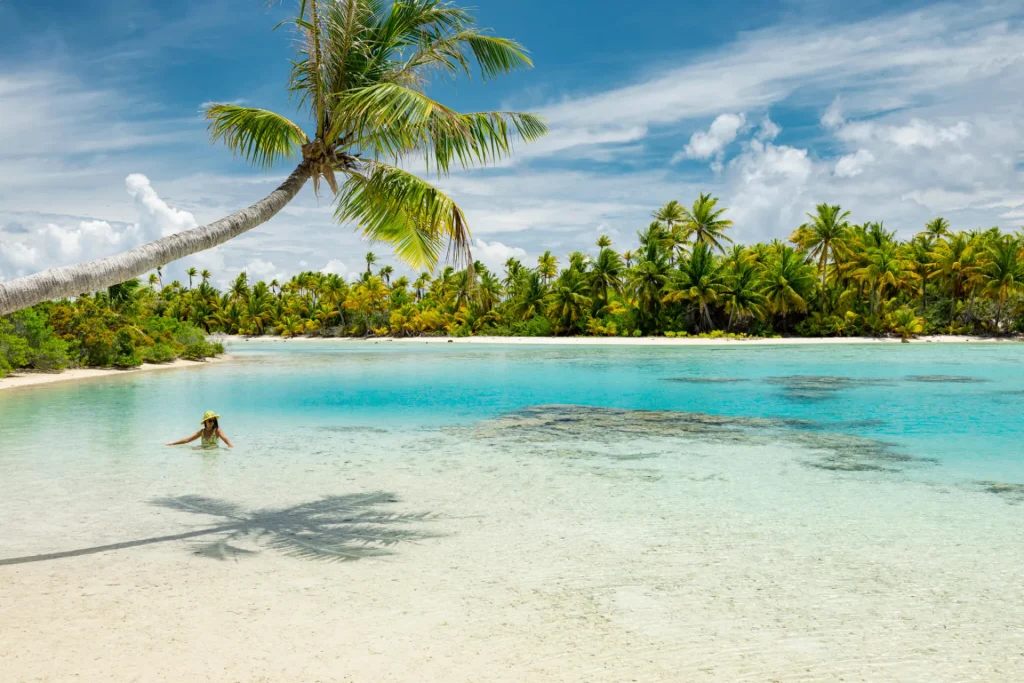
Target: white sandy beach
[[22, 380], [694, 562]]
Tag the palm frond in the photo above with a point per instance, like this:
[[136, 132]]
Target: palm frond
[[496, 56], [261, 137], [394, 206], [397, 121]]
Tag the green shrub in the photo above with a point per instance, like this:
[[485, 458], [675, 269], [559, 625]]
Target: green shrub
[[538, 326], [187, 334], [158, 353], [50, 356], [125, 353], [201, 350], [13, 348], [39, 347]]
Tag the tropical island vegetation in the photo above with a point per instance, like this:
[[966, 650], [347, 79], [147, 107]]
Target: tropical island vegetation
[[682, 278]]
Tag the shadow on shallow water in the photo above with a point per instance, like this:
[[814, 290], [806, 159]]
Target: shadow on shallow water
[[336, 528]]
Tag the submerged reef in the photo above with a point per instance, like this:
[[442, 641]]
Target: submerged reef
[[1013, 493], [945, 379], [550, 429], [816, 388], [706, 380]]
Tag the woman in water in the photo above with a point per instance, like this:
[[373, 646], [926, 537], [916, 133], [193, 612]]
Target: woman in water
[[209, 433]]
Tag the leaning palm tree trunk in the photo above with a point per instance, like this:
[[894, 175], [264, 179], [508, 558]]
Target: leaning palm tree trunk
[[95, 275]]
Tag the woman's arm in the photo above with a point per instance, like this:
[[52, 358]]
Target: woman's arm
[[191, 438], [221, 434]]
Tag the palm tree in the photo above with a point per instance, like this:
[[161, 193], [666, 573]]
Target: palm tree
[[568, 302], [903, 322], [950, 257], [699, 279], [385, 273], [205, 275], [919, 255], [361, 76], [488, 291], [153, 279], [513, 275], [823, 236], [672, 215], [606, 274], [604, 241], [547, 266], [191, 272], [159, 277], [743, 295], [240, 287], [1003, 272], [371, 258], [704, 224], [885, 269], [789, 280], [646, 280], [937, 227], [421, 284], [529, 301]]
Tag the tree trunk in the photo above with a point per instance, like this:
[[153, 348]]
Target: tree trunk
[[75, 280]]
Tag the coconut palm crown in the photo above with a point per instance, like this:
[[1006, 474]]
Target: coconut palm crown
[[360, 78]]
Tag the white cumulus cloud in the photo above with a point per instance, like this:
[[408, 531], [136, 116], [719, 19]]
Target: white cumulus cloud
[[854, 164], [494, 254], [712, 142], [335, 267]]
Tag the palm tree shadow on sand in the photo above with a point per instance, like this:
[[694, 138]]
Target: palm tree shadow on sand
[[336, 528]]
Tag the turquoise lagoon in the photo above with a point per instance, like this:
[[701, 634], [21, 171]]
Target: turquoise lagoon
[[730, 513]]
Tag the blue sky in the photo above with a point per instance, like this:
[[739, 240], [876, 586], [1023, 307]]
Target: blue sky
[[898, 111]]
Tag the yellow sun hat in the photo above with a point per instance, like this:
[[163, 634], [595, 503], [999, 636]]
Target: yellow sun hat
[[209, 415]]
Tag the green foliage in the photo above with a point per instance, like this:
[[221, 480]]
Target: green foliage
[[158, 353], [361, 76], [30, 342], [840, 279], [13, 348], [196, 351], [125, 355]]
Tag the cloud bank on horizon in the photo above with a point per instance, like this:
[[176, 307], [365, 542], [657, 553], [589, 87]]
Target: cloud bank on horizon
[[899, 117]]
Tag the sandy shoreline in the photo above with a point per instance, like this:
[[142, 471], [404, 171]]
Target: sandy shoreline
[[33, 379], [628, 341]]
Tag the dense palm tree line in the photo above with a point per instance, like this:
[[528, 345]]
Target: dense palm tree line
[[832, 277]]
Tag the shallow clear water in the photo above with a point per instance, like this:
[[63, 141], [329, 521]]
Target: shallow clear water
[[960, 404], [592, 513]]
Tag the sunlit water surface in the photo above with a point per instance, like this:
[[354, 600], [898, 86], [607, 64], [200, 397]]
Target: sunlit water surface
[[880, 471]]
